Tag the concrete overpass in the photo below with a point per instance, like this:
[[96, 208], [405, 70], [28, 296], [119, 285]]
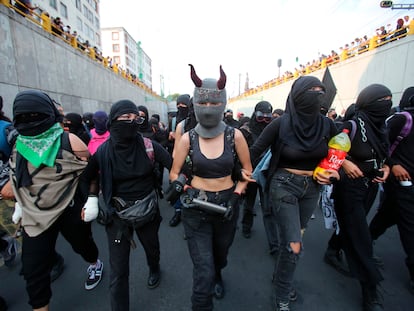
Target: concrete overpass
[[32, 58], [391, 64]]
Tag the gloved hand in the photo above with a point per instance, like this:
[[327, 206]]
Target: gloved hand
[[231, 204], [17, 214], [90, 209], [175, 189]]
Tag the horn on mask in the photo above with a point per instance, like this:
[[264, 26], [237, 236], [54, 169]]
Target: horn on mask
[[221, 83], [197, 81]]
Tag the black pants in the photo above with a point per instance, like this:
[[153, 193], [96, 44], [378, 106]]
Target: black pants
[[397, 207], [119, 259], [353, 200], [209, 238], [39, 255]]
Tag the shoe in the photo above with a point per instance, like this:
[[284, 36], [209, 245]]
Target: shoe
[[94, 275], [372, 299], [293, 295], [154, 278], [247, 233], [313, 216], [378, 261], [3, 304], [176, 219], [57, 268], [219, 291], [9, 254], [335, 259], [282, 306]]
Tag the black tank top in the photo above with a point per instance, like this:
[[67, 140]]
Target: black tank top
[[212, 168]]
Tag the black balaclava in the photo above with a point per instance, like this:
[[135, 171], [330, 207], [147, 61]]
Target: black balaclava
[[122, 132], [100, 120], [302, 125], [255, 126], [373, 111], [407, 100], [370, 102], [145, 127], [88, 120], [32, 102], [182, 112], [126, 147]]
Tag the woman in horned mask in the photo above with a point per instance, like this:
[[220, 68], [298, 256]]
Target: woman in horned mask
[[212, 147]]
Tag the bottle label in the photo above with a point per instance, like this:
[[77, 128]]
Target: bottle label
[[333, 160]]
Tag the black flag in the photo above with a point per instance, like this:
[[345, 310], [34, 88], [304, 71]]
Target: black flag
[[330, 89]]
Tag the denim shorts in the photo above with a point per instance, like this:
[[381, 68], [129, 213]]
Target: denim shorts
[[293, 200]]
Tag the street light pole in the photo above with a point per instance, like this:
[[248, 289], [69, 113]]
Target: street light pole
[[140, 74]]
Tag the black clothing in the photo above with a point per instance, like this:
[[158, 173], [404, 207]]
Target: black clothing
[[231, 122], [76, 127], [212, 168]]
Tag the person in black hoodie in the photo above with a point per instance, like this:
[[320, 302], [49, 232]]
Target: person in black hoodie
[[74, 122], [260, 118], [397, 205]]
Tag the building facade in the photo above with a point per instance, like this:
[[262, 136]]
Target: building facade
[[81, 15], [124, 51]]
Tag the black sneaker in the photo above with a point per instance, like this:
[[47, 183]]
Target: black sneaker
[[94, 275], [57, 268], [3, 304], [219, 291], [176, 219], [247, 233], [9, 254], [154, 278], [282, 306], [293, 295], [335, 259]]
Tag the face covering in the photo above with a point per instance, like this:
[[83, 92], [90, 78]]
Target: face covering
[[182, 113], [379, 111], [309, 102], [209, 116], [35, 126], [124, 131]]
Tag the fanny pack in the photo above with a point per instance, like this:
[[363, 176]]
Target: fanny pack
[[136, 213]]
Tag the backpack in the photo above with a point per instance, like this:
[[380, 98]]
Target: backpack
[[406, 129], [5, 148]]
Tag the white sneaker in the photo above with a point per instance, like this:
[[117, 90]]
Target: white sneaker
[[94, 275]]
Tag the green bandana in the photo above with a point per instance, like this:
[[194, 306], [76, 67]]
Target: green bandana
[[42, 148]]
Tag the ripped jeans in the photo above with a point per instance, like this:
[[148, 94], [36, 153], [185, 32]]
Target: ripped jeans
[[294, 199]]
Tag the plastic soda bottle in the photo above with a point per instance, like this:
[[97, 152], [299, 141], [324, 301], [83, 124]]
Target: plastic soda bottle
[[339, 146]]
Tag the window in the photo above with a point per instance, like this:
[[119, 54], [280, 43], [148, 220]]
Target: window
[[117, 60], [115, 47], [63, 10], [126, 50], [78, 5], [97, 22], [53, 4], [98, 38], [115, 36], [79, 24]]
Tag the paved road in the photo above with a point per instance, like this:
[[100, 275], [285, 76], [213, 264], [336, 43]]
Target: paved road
[[247, 277]]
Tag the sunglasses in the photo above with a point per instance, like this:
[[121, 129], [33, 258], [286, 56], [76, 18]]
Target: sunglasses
[[263, 117]]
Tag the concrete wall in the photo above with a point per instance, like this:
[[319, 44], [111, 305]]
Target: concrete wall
[[31, 58], [391, 65]]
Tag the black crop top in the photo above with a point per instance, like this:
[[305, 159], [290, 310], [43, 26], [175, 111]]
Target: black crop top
[[301, 160], [212, 168]]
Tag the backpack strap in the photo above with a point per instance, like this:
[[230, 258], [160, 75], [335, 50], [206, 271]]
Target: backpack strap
[[353, 129], [149, 149], [406, 129]]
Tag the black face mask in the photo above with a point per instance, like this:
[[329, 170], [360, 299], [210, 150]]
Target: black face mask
[[334, 116], [34, 127], [379, 111], [182, 113], [124, 131], [309, 102]]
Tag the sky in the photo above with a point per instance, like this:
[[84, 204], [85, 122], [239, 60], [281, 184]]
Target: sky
[[245, 37]]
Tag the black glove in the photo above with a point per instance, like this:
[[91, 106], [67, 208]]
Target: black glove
[[175, 189], [231, 204]]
